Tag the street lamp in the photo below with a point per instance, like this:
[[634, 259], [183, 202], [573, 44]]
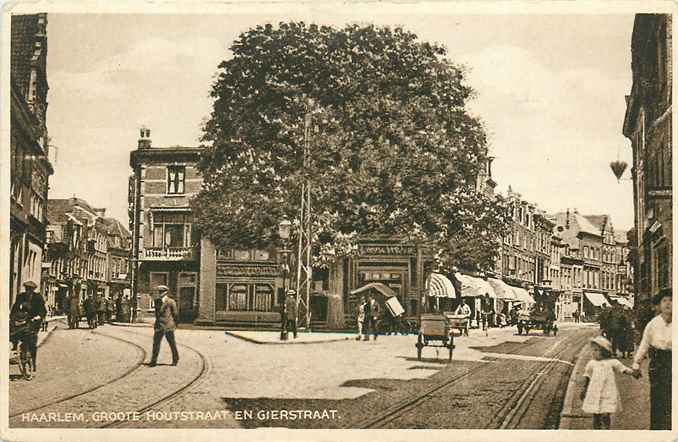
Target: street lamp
[[284, 228]]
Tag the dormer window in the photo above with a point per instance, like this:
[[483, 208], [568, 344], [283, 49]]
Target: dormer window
[[176, 179]]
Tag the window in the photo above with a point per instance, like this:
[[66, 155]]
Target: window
[[171, 230], [175, 179]]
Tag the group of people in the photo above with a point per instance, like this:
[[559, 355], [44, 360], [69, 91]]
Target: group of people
[[367, 315], [98, 311], [27, 315], [600, 394]]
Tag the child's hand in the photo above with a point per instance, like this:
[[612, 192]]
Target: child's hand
[[636, 374]]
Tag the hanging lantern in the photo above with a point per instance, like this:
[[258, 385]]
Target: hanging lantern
[[618, 168]]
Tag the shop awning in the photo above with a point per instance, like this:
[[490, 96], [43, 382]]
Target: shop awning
[[438, 286], [378, 286], [502, 290], [522, 295], [622, 301], [597, 299], [474, 287]]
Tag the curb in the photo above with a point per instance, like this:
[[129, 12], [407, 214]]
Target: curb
[[49, 331], [569, 411], [254, 341], [129, 324]]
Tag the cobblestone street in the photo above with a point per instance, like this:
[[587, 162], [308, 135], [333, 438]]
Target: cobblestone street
[[222, 373]]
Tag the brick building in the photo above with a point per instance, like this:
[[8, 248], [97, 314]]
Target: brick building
[[164, 244], [30, 168], [647, 124]]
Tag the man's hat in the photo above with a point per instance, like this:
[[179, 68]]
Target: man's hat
[[291, 292], [663, 293], [602, 342], [162, 288], [30, 285]]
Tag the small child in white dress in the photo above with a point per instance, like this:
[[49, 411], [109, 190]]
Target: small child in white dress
[[600, 395]]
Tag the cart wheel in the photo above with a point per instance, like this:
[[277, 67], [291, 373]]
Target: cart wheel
[[449, 359], [419, 346], [451, 347]]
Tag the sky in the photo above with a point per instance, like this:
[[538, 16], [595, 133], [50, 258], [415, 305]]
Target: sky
[[549, 88]]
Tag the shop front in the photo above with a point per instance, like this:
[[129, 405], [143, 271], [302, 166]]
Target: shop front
[[506, 297], [594, 303], [476, 291]]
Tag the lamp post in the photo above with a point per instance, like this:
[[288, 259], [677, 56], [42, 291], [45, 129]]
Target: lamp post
[[284, 227]]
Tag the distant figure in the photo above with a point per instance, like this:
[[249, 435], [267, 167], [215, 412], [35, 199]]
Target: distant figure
[[464, 310], [101, 310], [375, 312], [91, 311], [166, 318], [73, 311], [290, 314], [360, 317]]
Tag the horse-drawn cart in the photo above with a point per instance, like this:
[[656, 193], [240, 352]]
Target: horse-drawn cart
[[541, 315], [435, 328]]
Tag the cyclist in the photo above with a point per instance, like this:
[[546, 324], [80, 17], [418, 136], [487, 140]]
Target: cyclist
[[20, 331]]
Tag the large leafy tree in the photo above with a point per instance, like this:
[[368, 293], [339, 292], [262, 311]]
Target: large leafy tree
[[393, 149]]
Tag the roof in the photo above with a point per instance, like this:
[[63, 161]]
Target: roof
[[598, 221], [577, 223], [115, 227]]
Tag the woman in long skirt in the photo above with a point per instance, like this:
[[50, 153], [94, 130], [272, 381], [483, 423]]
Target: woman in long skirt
[[657, 344]]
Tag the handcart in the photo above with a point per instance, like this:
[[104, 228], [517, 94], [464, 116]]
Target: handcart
[[435, 327]]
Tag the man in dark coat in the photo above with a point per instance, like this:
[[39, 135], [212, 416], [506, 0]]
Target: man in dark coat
[[166, 318], [109, 309], [38, 312], [290, 315], [91, 311]]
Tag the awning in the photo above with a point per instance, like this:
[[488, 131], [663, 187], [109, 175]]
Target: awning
[[522, 295], [502, 290], [378, 286], [474, 287], [597, 299], [622, 301], [438, 286]]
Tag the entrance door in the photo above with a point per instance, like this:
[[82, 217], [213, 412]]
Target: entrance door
[[186, 286], [186, 296]]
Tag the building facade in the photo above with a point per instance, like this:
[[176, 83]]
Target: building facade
[[165, 248], [647, 124], [81, 245], [30, 168]]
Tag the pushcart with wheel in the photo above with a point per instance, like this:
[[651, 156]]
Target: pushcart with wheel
[[435, 331]]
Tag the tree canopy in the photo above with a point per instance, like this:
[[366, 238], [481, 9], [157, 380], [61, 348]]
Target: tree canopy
[[393, 149]]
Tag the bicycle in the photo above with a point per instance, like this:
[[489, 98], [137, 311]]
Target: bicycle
[[25, 361]]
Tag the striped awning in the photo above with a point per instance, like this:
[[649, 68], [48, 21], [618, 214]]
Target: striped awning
[[522, 295], [438, 286], [474, 287], [597, 299], [502, 290], [378, 286]]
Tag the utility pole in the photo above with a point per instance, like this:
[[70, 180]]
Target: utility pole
[[304, 267]]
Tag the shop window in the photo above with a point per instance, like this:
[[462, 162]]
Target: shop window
[[176, 179]]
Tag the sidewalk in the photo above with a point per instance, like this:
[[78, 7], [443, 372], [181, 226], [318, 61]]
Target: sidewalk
[[270, 337], [51, 325], [635, 397]]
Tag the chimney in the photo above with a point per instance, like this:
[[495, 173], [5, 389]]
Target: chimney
[[489, 166], [100, 212], [144, 138]]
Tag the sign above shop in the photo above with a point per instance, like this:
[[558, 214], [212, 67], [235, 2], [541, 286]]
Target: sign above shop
[[386, 249], [247, 270]]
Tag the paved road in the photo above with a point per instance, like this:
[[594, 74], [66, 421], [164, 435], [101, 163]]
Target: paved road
[[226, 382]]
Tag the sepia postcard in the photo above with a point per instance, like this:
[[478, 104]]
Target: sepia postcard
[[337, 220]]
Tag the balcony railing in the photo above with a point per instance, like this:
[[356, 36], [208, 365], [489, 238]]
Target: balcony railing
[[168, 254]]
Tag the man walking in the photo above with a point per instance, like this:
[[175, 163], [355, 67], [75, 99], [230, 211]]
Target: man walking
[[90, 311], [375, 312], [166, 317], [73, 310]]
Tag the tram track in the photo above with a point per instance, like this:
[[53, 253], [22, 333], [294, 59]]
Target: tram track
[[139, 363], [168, 398], [508, 414], [141, 356]]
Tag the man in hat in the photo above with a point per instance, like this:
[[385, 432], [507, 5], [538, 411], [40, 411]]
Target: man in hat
[[290, 314], [656, 343], [90, 308], [166, 318], [38, 312]]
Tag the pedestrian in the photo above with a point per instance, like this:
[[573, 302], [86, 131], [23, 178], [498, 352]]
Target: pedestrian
[[109, 310], [575, 316], [118, 308], [657, 343], [464, 310], [360, 317], [101, 310], [290, 315], [90, 308], [166, 318], [375, 313], [600, 394], [125, 308], [73, 311], [38, 312]]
